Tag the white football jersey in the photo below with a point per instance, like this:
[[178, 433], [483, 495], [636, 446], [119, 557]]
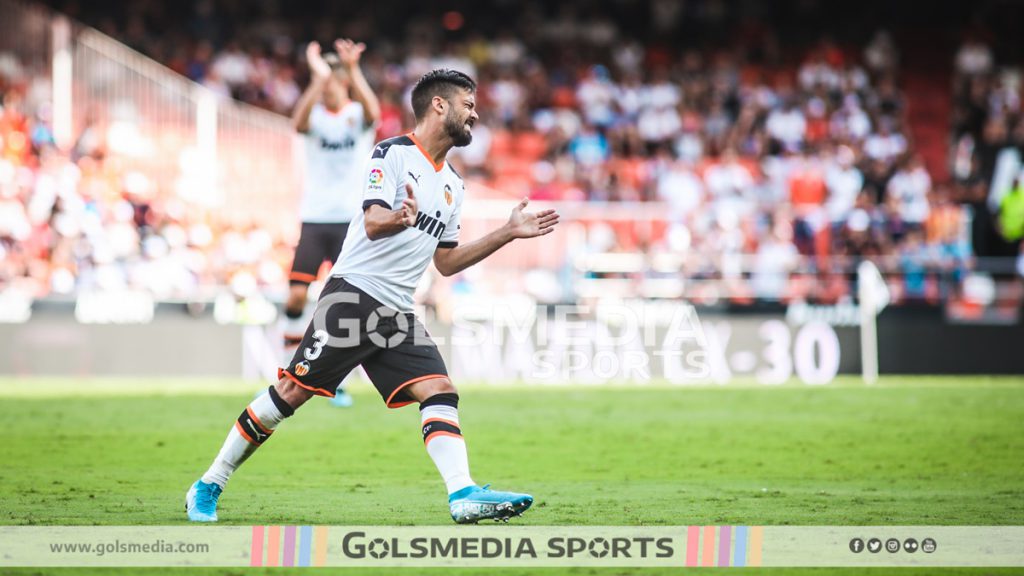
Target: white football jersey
[[336, 146], [390, 268]]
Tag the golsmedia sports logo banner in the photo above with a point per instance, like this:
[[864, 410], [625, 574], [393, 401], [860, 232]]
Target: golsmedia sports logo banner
[[497, 546]]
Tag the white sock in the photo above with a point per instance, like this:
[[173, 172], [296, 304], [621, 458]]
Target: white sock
[[250, 431], [446, 447]]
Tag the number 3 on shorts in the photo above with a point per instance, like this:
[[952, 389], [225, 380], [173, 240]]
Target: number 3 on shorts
[[313, 352]]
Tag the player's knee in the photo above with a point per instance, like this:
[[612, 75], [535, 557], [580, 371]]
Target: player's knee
[[423, 390], [451, 389], [291, 393]]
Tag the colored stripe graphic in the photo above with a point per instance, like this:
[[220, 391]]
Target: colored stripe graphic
[[756, 540], [273, 544], [707, 557], [739, 555], [305, 545], [724, 540], [321, 546], [289, 546], [256, 554], [692, 544]]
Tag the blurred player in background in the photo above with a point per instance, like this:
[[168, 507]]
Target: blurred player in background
[[338, 115], [412, 206]]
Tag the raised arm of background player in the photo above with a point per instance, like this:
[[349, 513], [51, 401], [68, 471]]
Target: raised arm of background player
[[359, 90], [320, 72], [381, 223]]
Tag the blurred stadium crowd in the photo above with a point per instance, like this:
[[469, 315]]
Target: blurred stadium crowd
[[85, 221], [783, 152]]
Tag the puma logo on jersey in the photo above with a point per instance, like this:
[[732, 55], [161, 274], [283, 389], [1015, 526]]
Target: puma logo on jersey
[[414, 177], [430, 225]]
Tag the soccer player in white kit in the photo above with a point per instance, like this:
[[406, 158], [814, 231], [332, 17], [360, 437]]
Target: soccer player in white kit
[[338, 135], [412, 206]]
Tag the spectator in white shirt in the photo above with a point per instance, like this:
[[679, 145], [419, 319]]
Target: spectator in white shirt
[[596, 96], [973, 58], [844, 182], [787, 125], [682, 188], [908, 190], [233, 65], [885, 144]]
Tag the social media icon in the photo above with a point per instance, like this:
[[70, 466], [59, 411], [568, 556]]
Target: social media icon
[[874, 545], [892, 545], [928, 545], [910, 545], [856, 545]]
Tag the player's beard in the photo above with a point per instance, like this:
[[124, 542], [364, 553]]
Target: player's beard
[[457, 130]]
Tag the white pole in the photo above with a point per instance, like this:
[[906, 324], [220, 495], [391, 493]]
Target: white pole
[[61, 82], [867, 295], [206, 123], [206, 142]]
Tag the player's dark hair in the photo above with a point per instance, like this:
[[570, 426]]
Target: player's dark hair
[[441, 82]]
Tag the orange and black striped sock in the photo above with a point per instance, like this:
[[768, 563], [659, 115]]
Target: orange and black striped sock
[[252, 428], [442, 435]]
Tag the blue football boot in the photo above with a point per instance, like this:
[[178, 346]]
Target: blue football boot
[[342, 399], [473, 503], [201, 502]]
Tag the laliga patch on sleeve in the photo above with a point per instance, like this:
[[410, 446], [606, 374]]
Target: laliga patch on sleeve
[[376, 179]]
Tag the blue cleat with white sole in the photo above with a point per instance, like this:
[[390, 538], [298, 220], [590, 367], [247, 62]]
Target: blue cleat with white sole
[[201, 502], [473, 503]]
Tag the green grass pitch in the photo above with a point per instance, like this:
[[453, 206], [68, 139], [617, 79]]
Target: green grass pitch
[[923, 450]]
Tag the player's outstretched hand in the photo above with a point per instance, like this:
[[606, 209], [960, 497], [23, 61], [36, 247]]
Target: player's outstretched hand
[[409, 207], [317, 65], [531, 224], [349, 52]]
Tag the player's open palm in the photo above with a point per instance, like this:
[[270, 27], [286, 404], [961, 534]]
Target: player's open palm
[[317, 65], [409, 207], [531, 224]]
